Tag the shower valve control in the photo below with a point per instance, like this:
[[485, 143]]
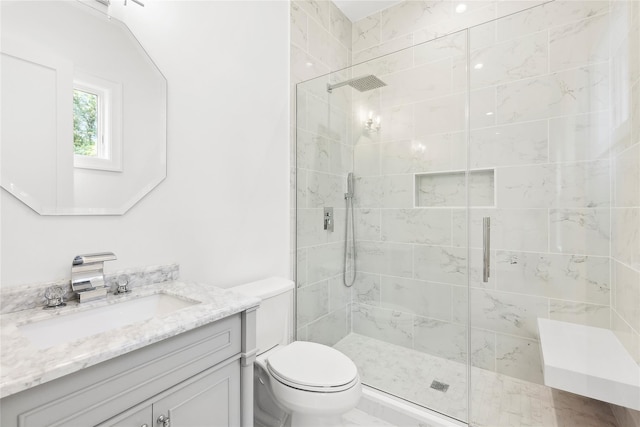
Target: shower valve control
[[328, 219]]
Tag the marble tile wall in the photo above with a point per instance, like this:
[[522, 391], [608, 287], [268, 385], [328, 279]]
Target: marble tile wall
[[565, 205], [320, 43]]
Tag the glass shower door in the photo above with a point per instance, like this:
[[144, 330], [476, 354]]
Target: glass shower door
[[544, 149], [404, 320]]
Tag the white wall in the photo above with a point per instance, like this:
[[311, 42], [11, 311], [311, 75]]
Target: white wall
[[222, 213]]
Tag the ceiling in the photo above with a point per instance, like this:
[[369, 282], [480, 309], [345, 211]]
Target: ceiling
[[358, 9]]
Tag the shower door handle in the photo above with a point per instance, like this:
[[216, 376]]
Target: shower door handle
[[486, 248]]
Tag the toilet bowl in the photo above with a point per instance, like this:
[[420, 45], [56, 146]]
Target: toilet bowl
[[300, 383]]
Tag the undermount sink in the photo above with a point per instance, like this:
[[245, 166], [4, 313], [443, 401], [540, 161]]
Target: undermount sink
[[70, 327]]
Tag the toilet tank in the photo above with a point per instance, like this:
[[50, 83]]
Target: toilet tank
[[274, 319]]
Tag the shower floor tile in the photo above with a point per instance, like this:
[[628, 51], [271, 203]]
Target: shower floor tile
[[497, 400]]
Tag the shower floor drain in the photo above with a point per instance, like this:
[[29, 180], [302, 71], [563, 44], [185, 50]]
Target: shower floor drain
[[437, 385]]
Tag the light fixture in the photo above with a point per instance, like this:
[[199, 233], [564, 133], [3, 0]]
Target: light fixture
[[490, 113], [461, 8], [478, 66], [370, 124], [309, 64]]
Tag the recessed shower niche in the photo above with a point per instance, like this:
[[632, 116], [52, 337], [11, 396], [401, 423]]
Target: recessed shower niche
[[448, 189]]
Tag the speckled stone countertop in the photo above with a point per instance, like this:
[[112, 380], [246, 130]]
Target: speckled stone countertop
[[23, 366]]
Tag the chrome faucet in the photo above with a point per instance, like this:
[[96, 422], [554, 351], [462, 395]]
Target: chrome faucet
[[87, 275]]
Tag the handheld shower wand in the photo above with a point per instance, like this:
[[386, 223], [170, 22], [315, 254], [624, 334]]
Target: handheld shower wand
[[348, 196]]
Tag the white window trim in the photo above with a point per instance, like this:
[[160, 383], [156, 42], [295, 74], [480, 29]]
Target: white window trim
[[109, 123]]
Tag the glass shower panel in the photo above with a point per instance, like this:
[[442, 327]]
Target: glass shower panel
[[549, 126], [404, 320]]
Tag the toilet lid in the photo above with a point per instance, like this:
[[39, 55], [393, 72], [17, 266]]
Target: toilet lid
[[312, 366]]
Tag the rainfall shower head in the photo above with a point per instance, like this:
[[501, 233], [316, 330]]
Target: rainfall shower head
[[362, 83]]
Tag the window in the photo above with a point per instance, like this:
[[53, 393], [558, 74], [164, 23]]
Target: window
[[97, 123]]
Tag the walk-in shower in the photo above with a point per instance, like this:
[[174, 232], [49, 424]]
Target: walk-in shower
[[532, 120]]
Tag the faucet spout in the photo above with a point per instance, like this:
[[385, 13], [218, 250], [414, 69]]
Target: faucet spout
[[87, 275]]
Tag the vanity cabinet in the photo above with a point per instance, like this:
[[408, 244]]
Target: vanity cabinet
[[199, 378], [209, 399]]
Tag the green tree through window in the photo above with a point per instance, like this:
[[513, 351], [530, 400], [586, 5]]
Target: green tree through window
[[85, 123]]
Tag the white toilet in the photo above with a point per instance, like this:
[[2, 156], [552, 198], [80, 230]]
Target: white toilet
[[299, 383]]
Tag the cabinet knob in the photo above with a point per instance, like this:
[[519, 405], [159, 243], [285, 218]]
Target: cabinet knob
[[164, 421]]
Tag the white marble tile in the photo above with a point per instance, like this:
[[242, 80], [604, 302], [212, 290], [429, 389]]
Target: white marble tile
[[323, 119], [301, 267], [385, 48], [575, 91], [298, 22], [627, 178], [340, 25], [503, 312], [449, 46], [579, 43], [426, 226], [511, 229], [519, 358], [366, 289], [326, 48], [312, 151], [301, 188], [367, 224], [579, 137], [430, 153], [356, 417], [443, 339], [483, 349], [513, 60], [548, 15], [432, 300], [324, 261], [569, 185], [482, 108], [568, 277], [396, 123], [324, 189], [416, 84], [407, 17], [397, 191], [366, 159], [509, 145], [627, 336], [366, 32], [450, 189], [440, 264], [313, 302], [386, 64], [393, 259], [310, 228], [340, 158], [386, 191], [368, 192], [579, 231], [317, 9], [440, 115], [627, 294], [386, 325], [579, 312], [339, 294], [625, 236], [303, 66], [329, 329]]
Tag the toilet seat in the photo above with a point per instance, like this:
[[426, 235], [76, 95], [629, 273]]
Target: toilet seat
[[313, 367]]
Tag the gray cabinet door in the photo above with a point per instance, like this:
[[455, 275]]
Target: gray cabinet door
[[210, 399], [138, 416]]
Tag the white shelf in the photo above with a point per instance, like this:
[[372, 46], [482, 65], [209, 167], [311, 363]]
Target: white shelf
[[588, 361]]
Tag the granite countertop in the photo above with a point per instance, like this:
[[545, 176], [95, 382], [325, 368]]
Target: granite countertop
[[23, 366]]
